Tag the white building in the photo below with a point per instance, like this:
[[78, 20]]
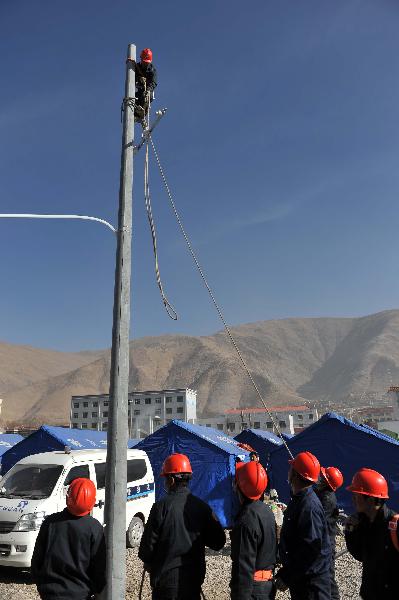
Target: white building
[[147, 410], [290, 419]]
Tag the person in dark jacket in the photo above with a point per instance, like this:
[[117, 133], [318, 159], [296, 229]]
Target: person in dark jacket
[[253, 537], [69, 558], [330, 480], [305, 550], [372, 536], [146, 82], [179, 527]]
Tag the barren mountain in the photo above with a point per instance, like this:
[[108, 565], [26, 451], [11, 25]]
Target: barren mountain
[[291, 360]]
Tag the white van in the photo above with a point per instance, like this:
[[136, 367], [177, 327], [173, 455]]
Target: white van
[[37, 485]]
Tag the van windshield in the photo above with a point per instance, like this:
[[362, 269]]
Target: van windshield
[[30, 481]]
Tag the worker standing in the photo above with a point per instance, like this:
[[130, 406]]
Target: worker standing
[[253, 537], [305, 550], [372, 536], [146, 82], [179, 527], [69, 558], [330, 480]]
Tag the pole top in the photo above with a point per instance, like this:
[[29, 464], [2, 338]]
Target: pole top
[[131, 51]]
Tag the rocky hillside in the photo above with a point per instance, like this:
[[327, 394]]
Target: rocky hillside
[[334, 360]]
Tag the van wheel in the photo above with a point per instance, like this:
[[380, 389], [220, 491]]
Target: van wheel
[[134, 533]]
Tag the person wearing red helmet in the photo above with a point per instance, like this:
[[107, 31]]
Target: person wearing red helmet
[[305, 549], [253, 537], [146, 82], [330, 480], [69, 558], [179, 527], [372, 536]]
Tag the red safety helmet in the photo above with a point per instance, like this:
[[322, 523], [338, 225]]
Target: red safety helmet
[[369, 483], [175, 464], [306, 465], [251, 478], [333, 476], [81, 497], [146, 55]]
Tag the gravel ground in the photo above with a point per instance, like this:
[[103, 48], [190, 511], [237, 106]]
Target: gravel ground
[[18, 586]]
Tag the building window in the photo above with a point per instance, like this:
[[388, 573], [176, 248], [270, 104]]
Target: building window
[[76, 415], [310, 417], [94, 414], [300, 417], [158, 411], [105, 426], [282, 424], [179, 398], [168, 399], [137, 400], [74, 426], [257, 425], [94, 425], [76, 404], [220, 426], [85, 404], [85, 415], [105, 414], [95, 404], [231, 426], [269, 425], [208, 425], [158, 400], [179, 409], [147, 400], [106, 403], [244, 425], [84, 425], [136, 411], [169, 410]]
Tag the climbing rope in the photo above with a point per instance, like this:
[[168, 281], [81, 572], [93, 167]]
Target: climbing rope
[[147, 198], [212, 296]]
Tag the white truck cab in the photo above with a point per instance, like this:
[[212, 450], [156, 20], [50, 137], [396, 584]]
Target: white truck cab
[[37, 485]]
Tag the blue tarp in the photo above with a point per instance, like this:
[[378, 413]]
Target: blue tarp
[[287, 436], [8, 440], [48, 438], [339, 442], [264, 442], [212, 455]]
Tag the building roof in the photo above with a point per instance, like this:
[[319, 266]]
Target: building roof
[[238, 411]]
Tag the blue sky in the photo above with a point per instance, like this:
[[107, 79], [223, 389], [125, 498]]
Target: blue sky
[[281, 146]]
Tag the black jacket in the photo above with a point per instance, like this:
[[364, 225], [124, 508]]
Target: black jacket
[[305, 549], [253, 547], [328, 501], [69, 558], [179, 527], [149, 72], [371, 544]]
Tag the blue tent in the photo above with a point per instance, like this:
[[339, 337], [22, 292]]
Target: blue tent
[[339, 442], [212, 455], [287, 436], [7, 441], [48, 438], [264, 442]]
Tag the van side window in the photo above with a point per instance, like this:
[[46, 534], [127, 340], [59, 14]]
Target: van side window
[[100, 475], [136, 469], [75, 472]]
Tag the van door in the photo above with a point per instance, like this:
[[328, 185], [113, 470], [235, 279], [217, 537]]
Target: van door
[[73, 473], [98, 510]]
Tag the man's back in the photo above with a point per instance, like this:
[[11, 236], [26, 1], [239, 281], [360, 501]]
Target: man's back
[[69, 559], [179, 527]]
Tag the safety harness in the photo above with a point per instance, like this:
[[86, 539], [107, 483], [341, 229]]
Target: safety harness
[[393, 527]]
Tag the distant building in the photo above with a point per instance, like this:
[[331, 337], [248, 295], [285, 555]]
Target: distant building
[[147, 410], [374, 414], [290, 419]]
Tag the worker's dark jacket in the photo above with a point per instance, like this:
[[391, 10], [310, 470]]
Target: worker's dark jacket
[[328, 501], [148, 71], [69, 558], [253, 548], [371, 544], [305, 549], [179, 527]]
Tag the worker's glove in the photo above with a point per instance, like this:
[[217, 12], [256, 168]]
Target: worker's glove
[[279, 584]]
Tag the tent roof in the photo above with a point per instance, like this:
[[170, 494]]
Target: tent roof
[[212, 436], [264, 435], [8, 440], [76, 439]]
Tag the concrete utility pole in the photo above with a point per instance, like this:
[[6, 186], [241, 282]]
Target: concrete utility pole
[[115, 492]]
